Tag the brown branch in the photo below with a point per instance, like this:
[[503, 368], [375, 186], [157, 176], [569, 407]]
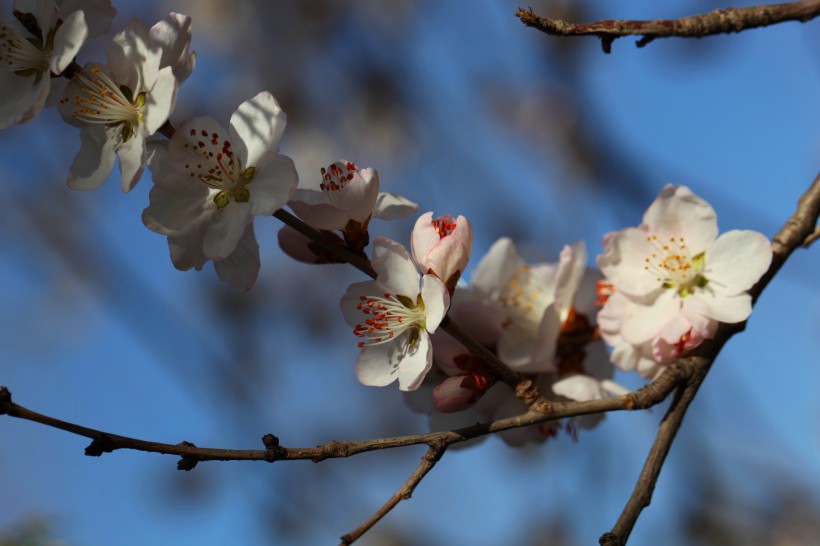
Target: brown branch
[[434, 453], [106, 442], [788, 239], [721, 21]]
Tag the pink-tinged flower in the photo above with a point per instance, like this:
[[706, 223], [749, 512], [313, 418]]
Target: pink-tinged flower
[[346, 199], [442, 247], [468, 377], [393, 316], [345, 194], [42, 40], [675, 278], [120, 104], [217, 180]]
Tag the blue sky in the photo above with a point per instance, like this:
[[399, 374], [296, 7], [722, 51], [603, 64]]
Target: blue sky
[[138, 348]]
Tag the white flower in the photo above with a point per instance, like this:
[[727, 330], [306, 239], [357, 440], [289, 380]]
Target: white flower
[[679, 277], [216, 180], [394, 317], [442, 246], [42, 40], [120, 104]]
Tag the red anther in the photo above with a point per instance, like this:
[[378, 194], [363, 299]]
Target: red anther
[[444, 225]]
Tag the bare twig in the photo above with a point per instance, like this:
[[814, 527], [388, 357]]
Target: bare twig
[[106, 442], [790, 237], [434, 453], [720, 21]]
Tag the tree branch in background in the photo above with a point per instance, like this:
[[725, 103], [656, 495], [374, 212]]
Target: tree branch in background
[[793, 235], [721, 21]]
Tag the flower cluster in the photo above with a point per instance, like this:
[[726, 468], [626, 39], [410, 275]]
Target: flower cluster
[[665, 286], [672, 280]]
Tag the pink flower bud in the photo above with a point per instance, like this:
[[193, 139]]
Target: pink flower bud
[[442, 247], [456, 393]]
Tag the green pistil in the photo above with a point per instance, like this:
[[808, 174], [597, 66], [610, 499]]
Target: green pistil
[[240, 193]]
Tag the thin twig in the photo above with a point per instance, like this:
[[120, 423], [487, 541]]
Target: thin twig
[[434, 453], [721, 21], [795, 231]]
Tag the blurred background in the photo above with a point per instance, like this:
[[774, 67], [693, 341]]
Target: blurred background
[[464, 110]]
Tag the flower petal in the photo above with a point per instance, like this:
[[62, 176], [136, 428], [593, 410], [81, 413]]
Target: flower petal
[[677, 212], [390, 206], [736, 261], [416, 363], [436, 301], [273, 184], [132, 161], [496, 269], [225, 229], [68, 40], [241, 268], [395, 269], [258, 123], [378, 365], [94, 161]]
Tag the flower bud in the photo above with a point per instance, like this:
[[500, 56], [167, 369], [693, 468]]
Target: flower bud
[[442, 247]]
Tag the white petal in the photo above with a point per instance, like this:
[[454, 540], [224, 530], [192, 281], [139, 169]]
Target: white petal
[[416, 363], [390, 206], [258, 123], [623, 262], [436, 301], [395, 269], [273, 184], [186, 250], [98, 14], [579, 387], [241, 268], [225, 229], [736, 261], [160, 101], [178, 207], [68, 40], [131, 59], [378, 365], [312, 207], [132, 161], [572, 263], [677, 212], [647, 321], [730, 309], [173, 36], [22, 98], [94, 161], [496, 269]]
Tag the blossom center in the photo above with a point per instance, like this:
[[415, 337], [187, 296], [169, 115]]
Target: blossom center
[[218, 166], [101, 102], [20, 55], [444, 226], [388, 316], [674, 266], [336, 177], [524, 298]]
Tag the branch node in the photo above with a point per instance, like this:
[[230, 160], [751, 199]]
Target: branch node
[[606, 43], [100, 445], [645, 40], [5, 400], [273, 451], [186, 463]]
